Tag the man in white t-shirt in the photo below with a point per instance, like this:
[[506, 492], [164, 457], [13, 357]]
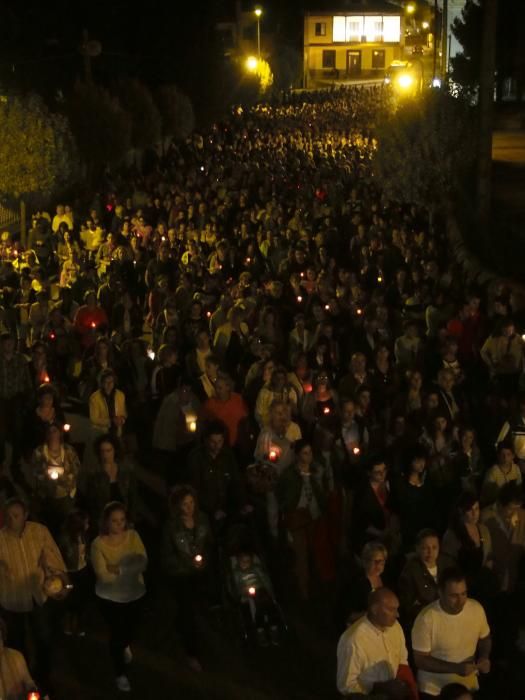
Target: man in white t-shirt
[[451, 638], [372, 654]]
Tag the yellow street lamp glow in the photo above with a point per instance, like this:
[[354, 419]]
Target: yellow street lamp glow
[[410, 8], [258, 11], [425, 25], [405, 81], [251, 64]]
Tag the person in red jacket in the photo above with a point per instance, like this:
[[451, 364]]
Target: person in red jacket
[[90, 320], [227, 407]]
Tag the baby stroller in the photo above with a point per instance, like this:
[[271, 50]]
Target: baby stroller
[[256, 612]]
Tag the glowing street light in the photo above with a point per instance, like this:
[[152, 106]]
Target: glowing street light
[[258, 14], [251, 64], [410, 8], [425, 25]]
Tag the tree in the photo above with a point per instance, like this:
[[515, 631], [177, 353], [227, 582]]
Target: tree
[[36, 152], [102, 128], [176, 112], [510, 49], [287, 66], [426, 151], [138, 102]]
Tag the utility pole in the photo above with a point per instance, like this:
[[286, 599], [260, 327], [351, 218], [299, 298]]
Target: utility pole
[[486, 110], [434, 62], [444, 40]]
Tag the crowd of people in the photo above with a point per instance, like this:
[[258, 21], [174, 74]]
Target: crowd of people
[[334, 413]]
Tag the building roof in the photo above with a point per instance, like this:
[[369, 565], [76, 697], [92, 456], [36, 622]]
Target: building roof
[[359, 7]]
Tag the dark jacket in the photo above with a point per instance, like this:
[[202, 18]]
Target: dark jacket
[[180, 545], [417, 587], [368, 513], [96, 492], [290, 485], [217, 481]]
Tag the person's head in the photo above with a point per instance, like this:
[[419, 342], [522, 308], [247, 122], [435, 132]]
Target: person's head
[[268, 370], [417, 461], [347, 412], [223, 387], [505, 454], [427, 547], [467, 438], [510, 501], [106, 448], [90, 299], [102, 349], [107, 381], [446, 380], [244, 560], [114, 519], [383, 608], [15, 515], [211, 366], [183, 502], [303, 452], [279, 379], [507, 328], [76, 524], [455, 691], [376, 470], [468, 509], [358, 363], [373, 558], [46, 396], [214, 438], [452, 590], [202, 340], [279, 416], [54, 434]]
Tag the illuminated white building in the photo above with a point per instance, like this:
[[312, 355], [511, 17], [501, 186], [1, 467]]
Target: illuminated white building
[[360, 42], [455, 8]]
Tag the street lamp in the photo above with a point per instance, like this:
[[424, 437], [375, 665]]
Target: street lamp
[[251, 64], [258, 13], [410, 8]]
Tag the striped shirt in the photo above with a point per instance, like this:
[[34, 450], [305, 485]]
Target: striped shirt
[[24, 560], [15, 680]]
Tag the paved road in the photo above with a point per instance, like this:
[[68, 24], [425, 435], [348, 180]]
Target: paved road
[[509, 147]]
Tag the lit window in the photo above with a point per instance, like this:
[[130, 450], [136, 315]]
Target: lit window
[[392, 29], [354, 28], [320, 29], [374, 28], [339, 30]]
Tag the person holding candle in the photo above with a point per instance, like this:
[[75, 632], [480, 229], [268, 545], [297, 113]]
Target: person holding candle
[[15, 680], [55, 467], [321, 405], [119, 561], [186, 558], [90, 320], [277, 388], [46, 413]]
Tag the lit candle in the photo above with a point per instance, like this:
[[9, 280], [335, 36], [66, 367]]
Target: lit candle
[[198, 558], [326, 410], [52, 336], [54, 472], [46, 378], [308, 388], [273, 454], [248, 261], [251, 590], [33, 695], [191, 423], [299, 299], [67, 427], [151, 354], [93, 324], [379, 279], [302, 274], [327, 307], [359, 312], [356, 450]]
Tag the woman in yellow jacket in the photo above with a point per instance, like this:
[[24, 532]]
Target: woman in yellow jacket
[[107, 406]]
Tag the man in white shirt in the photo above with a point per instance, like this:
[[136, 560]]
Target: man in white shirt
[[372, 654], [451, 638]]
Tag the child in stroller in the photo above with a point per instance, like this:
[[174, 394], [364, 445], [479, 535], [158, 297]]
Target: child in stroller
[[252, 590]]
